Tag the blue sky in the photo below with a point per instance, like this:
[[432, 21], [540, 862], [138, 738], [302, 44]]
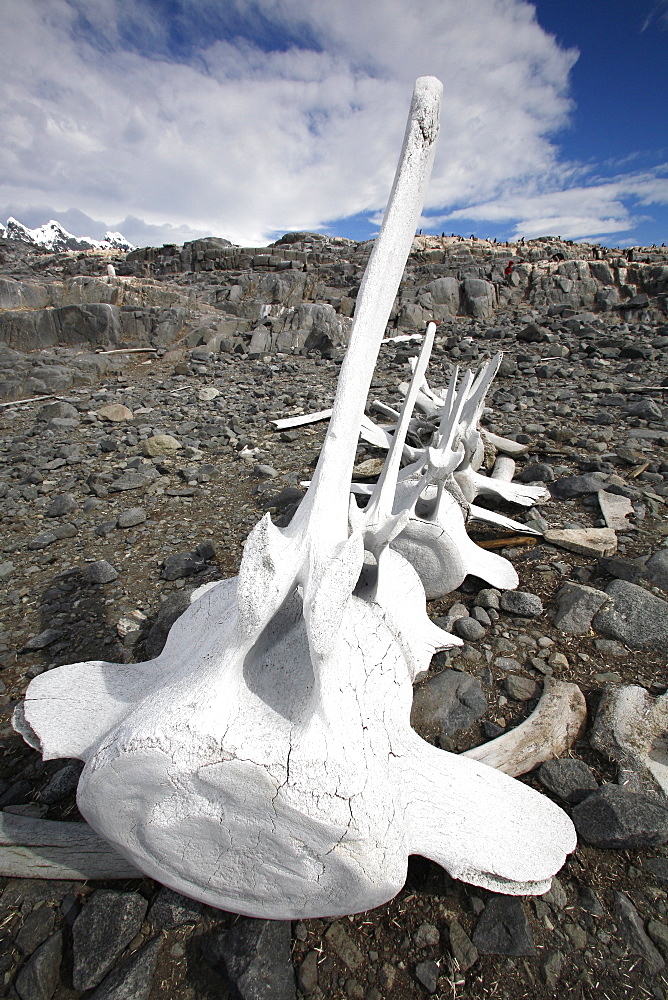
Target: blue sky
[[169, 119]]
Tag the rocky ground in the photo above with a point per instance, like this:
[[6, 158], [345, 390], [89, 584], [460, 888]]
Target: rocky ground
[[138, 477]]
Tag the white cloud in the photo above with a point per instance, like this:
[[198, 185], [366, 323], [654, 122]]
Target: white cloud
[[592, 210], [102, 110]]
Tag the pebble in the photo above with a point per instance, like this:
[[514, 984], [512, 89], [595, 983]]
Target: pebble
[[133, 978], [132, 517], [520, 688], [520, 602], [489, 598], [464, 951], [161, 444], [39, 977], [428, 973], [631, 926], [656, 569], [43, 639], [100, 572], [181, 565], [569, 487], [307, 973], [115, 413], [170, 909], [468, 629], [344, 946], [208, 393], [61, 506], [584, 541], [427, 935], [255, 958], [551, 967], [61, 784], [37, 927], [658, 868], [577, 606]]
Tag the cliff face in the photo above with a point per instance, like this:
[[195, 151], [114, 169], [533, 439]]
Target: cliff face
[[299, 294]]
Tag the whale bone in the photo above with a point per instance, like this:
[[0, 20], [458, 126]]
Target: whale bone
[[264, 761]]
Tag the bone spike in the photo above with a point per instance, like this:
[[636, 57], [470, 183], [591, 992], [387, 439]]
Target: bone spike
[[380, 505]]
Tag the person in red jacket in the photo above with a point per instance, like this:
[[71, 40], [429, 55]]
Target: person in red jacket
[[509, 268]]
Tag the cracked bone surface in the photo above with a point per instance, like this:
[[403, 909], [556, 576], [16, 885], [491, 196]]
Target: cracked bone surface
[[631, 729], [264, 763]]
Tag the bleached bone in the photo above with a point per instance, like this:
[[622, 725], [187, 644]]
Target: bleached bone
[[505, 445], [504, 468], [491, 517], [471, 482], [34, 848], [551, 729], [631, 730], [264, 762], [474, 484], [475, 513], [305, 418], [373, 434], [435, 540]]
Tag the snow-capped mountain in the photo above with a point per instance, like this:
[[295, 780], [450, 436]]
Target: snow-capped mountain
[[52, 236]]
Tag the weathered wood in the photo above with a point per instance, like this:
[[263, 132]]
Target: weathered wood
[[550, 730], [42, 848]]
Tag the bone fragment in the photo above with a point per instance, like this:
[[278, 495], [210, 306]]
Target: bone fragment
[[130, 350], [504, 468], [550, 730], [505, 445], [631, 730], [402, 338], [29, 399], [301, 420], [491, 517]]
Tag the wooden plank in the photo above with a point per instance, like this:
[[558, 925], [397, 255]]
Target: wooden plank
[[42, 848]]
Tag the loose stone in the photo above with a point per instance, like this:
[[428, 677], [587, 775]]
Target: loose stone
[[614, 817], [568, 778]]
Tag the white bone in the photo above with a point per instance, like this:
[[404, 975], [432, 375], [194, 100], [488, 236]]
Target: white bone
[[550, 730], [631, 729], [504, 468], [505, 445], [305, 418], [264, 762], [474, 484]]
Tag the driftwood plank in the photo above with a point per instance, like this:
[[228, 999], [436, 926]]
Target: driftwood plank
[[43, 848]]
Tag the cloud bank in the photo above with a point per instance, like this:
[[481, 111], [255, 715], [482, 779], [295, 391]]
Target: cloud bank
[[169, 119]]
